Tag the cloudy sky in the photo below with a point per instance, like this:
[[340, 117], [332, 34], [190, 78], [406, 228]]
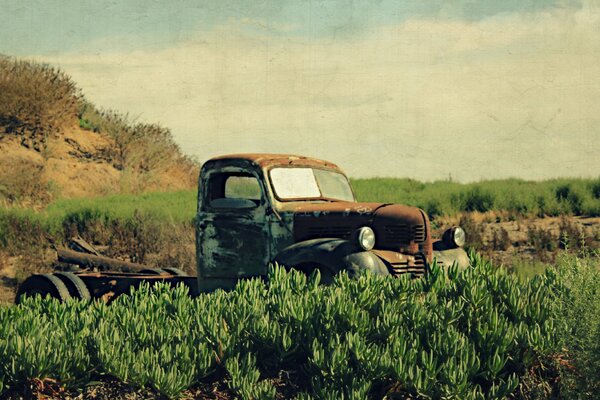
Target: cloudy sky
[[420, 89]]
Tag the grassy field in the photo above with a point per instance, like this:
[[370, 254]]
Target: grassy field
[[132, 224], [523, 198], [66, 217], [441, 198], [154, 229]]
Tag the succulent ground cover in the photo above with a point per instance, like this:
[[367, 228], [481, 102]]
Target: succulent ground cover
[[472, 334]]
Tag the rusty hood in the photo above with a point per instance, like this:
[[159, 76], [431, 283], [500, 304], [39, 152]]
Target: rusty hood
[[397, 227]]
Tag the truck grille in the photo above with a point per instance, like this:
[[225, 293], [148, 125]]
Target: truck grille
[[317, 232], [404, 233], [416, 268]]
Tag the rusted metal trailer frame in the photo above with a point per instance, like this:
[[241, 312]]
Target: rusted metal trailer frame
[[96, 280]]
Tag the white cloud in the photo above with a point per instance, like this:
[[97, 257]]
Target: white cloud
[[508, 96]]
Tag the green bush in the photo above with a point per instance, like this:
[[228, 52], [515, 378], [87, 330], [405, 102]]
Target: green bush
[[104, 220], [469, 334], [595, 189], [94, 218], [475, 199], [46, 339], [580, 311]]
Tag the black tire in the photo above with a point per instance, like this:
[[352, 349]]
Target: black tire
[[76, 286], [174, 271], [153, 271], [43, 285]]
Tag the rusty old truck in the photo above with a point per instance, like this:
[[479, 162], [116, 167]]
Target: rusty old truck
[[257, 209]]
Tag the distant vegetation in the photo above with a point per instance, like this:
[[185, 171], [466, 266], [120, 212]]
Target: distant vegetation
[[38, 103], [140, 148], [478, 333], [94, 218], [513, 196]]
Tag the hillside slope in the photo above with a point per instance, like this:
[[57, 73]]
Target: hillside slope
[[56, 144]]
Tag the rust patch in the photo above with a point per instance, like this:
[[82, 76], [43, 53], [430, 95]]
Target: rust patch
[[267, 160], [342, 208], [397, 227]]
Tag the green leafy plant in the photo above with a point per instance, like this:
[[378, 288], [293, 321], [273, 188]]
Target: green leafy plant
[[471, 334]]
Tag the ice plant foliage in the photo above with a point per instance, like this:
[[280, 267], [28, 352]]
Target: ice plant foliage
[[468, 334]]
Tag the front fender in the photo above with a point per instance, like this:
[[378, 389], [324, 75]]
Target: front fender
[[334, 254], [447, 256]]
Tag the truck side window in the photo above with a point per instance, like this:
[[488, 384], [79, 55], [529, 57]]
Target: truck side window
[[242, 187], [233, 191]]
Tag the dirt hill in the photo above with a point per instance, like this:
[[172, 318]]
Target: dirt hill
[[54, 143]]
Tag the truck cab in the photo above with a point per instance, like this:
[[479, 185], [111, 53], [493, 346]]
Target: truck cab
[[301, 212]]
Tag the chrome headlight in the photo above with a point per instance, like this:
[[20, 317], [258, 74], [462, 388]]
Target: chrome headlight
[[366, 238], [455, 237]]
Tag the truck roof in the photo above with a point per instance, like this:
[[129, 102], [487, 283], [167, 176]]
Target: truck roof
[[267, 160]]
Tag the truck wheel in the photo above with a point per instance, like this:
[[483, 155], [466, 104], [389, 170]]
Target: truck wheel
[[43, 285], [174, 271], [77, 288], [152, 271]]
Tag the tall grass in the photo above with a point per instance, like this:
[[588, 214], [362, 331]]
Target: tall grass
[[524, 198], [155, 228], [63, 217], [532, 198], [174, 207]]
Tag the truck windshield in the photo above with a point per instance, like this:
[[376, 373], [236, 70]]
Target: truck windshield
[[310, 183]]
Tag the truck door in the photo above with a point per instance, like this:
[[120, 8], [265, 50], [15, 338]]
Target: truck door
[[232, 231]]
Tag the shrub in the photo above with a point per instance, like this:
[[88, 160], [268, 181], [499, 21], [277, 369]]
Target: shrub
[[580, 317], [137, 236], [541, 239], [37, 100], [475, 199], [141, 151], [20, 231], [563, 192], [500, 239], [595, 189], [434, 208]]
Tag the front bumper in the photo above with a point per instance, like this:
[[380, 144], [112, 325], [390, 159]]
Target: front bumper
[[400, 263]]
